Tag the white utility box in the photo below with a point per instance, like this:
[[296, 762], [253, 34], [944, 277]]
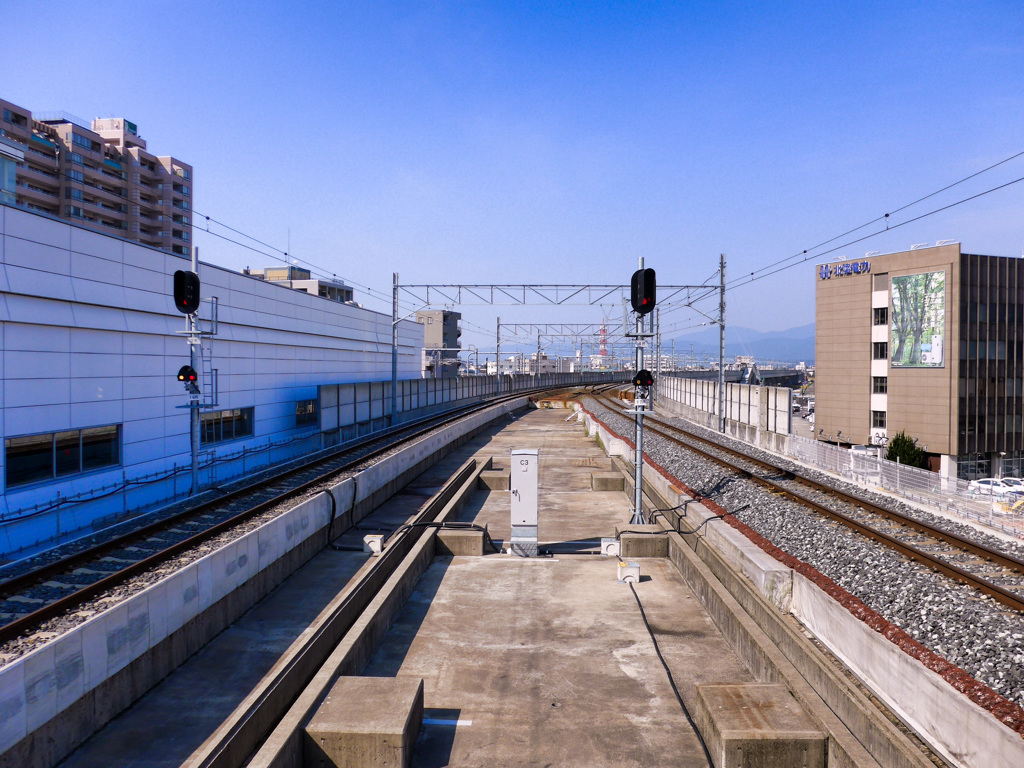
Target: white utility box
[[523, 485], [629, 572]]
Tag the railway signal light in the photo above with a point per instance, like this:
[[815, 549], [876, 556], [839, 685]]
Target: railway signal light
[[643, 378], [187, 375], [186, 292], [642, 291]]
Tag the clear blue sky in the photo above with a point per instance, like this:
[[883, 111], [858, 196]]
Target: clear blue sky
[[556, 142]]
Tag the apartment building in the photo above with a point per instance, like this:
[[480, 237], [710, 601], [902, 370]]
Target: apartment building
[[101, 176], [930, 342], [300, 279]]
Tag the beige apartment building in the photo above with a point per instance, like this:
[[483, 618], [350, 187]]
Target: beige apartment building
[[100, 176], [928, 342]]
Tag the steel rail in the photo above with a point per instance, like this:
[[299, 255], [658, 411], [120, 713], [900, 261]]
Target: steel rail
[[1004, 596], [48, 570]]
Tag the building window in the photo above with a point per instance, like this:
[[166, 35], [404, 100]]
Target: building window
[[74, 212], [72, 193], [37, 458], [221, 426], [880, 350], [881, 315], [81, 141], [305, 413], [76, 176], [878, 419], [880, 281], [879, 385]]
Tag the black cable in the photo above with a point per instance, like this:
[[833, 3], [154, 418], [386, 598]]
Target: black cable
[[714, 517], [671, 679]]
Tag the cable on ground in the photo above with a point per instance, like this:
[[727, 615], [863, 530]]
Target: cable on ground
[[671, 679]]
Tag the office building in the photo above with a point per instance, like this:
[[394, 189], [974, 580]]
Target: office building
[[440, 343], [929, 342], [98, 175]]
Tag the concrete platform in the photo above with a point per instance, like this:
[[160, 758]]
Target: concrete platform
[[546, 661], [524, 661]]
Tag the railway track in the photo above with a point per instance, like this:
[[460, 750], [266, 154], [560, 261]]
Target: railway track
[[56, 589], [992, 572]]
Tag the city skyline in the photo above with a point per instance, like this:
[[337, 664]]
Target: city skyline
[[552, 144]]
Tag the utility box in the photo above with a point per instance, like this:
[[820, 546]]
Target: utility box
[[523, 484]]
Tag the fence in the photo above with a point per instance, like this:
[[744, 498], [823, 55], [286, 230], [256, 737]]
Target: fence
[[945, 494]]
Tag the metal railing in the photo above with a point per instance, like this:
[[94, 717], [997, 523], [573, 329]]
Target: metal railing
[[945, 494]]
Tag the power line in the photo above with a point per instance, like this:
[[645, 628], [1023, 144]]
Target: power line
[[746, 280], [884, 218]]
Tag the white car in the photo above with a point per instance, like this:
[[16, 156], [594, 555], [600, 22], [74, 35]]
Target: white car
[[1001, 487]]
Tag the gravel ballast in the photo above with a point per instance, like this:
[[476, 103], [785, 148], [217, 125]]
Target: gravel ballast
[[970, 630]]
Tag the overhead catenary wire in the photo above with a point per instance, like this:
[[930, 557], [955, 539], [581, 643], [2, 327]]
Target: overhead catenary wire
[[751, 278]]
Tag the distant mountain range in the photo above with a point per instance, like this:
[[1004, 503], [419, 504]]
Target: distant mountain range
[[790, 346]]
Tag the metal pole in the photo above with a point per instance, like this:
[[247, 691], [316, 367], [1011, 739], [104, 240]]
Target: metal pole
[[497, 362], [638, 457], [536, 368], [657, 322], [190, 324], [721, 347], [394, 347]]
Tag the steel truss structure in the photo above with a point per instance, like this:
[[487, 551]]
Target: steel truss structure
[[518, 294]]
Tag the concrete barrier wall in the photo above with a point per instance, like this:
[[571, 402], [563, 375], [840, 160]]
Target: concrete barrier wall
[[55, 697], [757, 415], [348, 410], [956, 727], [952, 724]]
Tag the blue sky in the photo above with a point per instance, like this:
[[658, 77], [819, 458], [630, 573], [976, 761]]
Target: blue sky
[[556, 142]]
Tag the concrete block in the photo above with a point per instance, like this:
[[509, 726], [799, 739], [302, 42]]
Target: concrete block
[[758, 725], [633, 545], [138, 625], [116, 628], [94, 651], [494, 480], [366, 721], [157, 612], [607, 481], [468, 543], [40, 687], [69, 670], [12, 704], [189, 586]]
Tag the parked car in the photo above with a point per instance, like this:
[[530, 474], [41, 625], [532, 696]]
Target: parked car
[[1000, 487]]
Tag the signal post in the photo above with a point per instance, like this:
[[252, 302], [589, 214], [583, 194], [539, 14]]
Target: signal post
[[186, 300], [643, 290]]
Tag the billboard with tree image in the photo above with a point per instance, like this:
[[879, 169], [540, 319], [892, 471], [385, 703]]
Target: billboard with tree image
[[918, 321]]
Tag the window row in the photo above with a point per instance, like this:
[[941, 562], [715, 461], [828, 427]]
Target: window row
[[53, 455], [36, 458]]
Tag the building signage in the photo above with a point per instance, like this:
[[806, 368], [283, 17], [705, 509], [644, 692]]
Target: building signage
[[826, 271], [918, 320]]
